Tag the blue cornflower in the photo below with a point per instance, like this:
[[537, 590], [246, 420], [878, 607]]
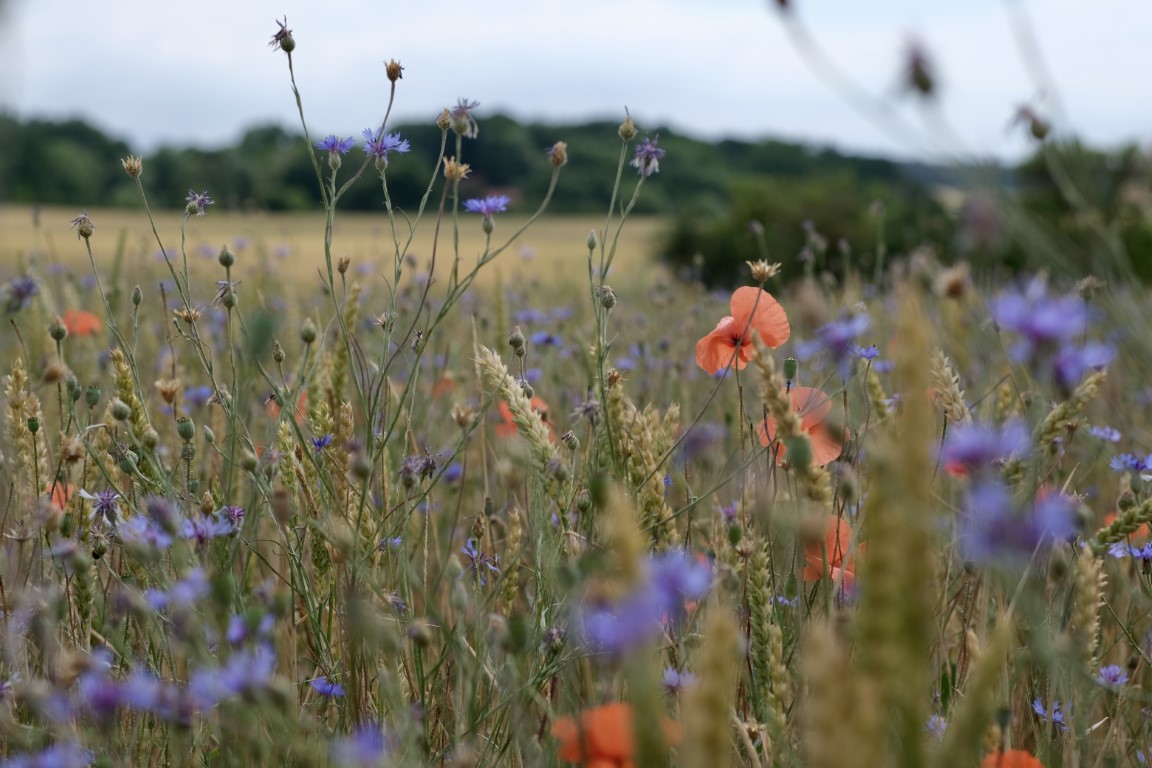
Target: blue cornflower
[[335, 145], [1107, 434], [462, 121], [197, 203], [182, 595], [995, 529], [623, 624], [1127, 462], [19, 292], [366, 747], [393, 543], [838, 340], [322, 442], [1072, 362], [1112, 676], [678, 577], [869, 352], [142, 530], [545, 339], [1121, 549], [478, 561], [231, 514], [1038, 320], [197, 397], [648, 155], [1056, 715], [978, 445], [62, 754], [675, 681], [487, 206], [381, 145], [326, 687], [936, 726], [453, 472], [105, 506], [203, 529]]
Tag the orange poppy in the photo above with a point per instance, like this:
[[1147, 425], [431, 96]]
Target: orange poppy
[[603, 739], [59, 493], [444, 384], [831, 557], [813, 407], [507, 425], [81, 323], [733, 334], [273, 408], [1013, 758]]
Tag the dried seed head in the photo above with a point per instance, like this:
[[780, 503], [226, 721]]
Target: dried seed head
[[55, 372], [168, 389], [558, 154], [627, 129], [444, 120], [454, 171], [762, 271], [394, 70], [133, 166], [463, 415]]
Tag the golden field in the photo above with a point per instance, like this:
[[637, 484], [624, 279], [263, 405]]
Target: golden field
[[553, 248]]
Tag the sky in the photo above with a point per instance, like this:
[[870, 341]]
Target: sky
[[158, 72]]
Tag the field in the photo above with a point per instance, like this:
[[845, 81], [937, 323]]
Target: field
[[276, 491]]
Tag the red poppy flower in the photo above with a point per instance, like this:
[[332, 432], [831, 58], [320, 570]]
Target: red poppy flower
[[603, 739], [1013, 758], [831, 557], [733, 334], [507, 426], [81, 323], [813, 407], [273, 408], [59, 494]]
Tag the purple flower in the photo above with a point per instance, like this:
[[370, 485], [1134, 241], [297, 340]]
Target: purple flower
[[335, 145], [978, 445], [197, 397], [1112, 676], [462, 121], [1127, 462], [203, 529], [366, 747], [183, 595], [487, 206], [995, 529], [675, 681], [379, 145], [326, 687], [678, 577], [648, 155], [1122, 549], [1107, 434], [838, 340], [197, 203], [142, 530], [1040, 322], [19, 292], [478, 561], [1072, 362], [624, 624], [105, 506], [936, 726], [63, 754], [322, 442], [1056, 716]]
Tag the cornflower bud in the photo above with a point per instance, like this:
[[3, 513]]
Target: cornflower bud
[[444, 120], [627, 128], [277, 352], [226, 258], [308, 331], [57, 330], [592, 240], [516, 338], [137, 296]]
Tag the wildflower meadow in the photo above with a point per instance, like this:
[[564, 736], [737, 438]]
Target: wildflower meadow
[[428, 511]]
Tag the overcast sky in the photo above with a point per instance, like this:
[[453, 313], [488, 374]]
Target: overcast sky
[[158, 71]]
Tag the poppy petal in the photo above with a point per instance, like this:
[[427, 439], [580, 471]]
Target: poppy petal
[[769, 320], [715, 350]]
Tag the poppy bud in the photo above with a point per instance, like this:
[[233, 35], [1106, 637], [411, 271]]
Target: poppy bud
[[57, 330], [791, 368], [186, 428], [33, 425], [209, 435], [92, 395]]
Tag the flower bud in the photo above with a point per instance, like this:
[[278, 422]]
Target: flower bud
[[607, 296], [150, 439], [526, 388], [592, 240], [558, 154], [277, 352], [308, 331], [92, 395], [57, 330], [516, 338], [209, 435], [791, 368], [229, 299], [799, 451], [394, 70], [137, 296], [248, 461], [186, 428], [120, 409], [627, 128], [342, 264], [444, 120], [226, 257], [487, 225], [73, 385], [570, 440], [33, 425]]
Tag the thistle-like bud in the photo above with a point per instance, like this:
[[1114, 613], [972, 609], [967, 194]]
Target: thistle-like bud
[[362, 466], [342, 264], [137, 296], [516, 338], [627, 128], [444, 120], [277, 352], [607, 296], [308, 331], [133, 166], [526, 388], [150, 439], [226, 257], [419, 631], [186, 428], [462, 415], [394, 70], [57, 329], [558, 154], [570, 440]]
